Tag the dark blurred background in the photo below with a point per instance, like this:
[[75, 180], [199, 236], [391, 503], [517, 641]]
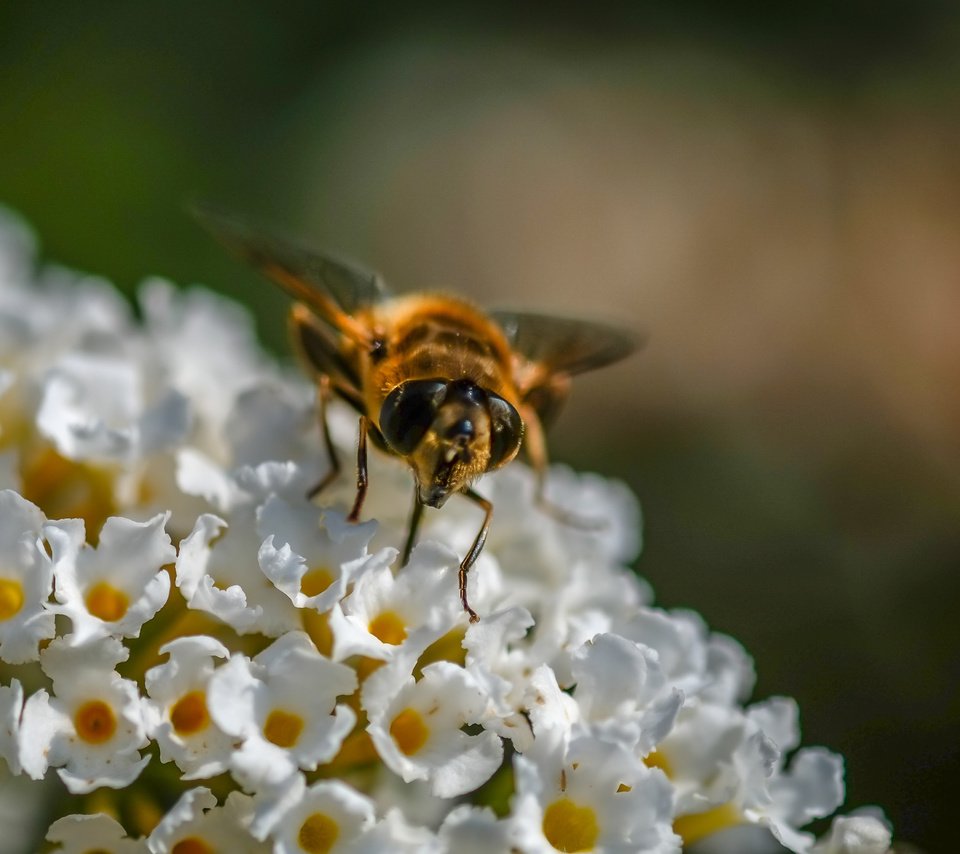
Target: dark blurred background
[[771, 191]]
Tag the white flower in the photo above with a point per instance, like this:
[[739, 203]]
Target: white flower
[[417, 728], [394, 833], [608, 533], [95, 407], [187, 329], [863, 833], [700, 664], [501, 662], [698, 755], [26, 579], [622, 692], [274, 421], [312, 561], [196, 823], [92, 729], [218, 572], [79, 834], [327, 817], [810, 788], [590, 795], [18, 245], [11, 707], [728, 766], [282, 704], [115, 588], [180, 713], [386, 613], [627, 723], [474, 830]]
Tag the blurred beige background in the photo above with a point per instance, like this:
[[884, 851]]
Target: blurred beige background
[[773, 196]]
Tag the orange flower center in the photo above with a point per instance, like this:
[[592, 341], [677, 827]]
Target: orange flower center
[[192, 845], [388, 628], [282, 728], [11, 598], [189, 714], [409, 731], [569, 827], [318, 834], [315, 581], [106, 602], [95, 722]]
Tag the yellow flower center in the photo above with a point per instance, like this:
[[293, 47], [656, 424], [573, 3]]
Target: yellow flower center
[[11, 598], [365, 666], [318, 834], [282, 728], [192, 845], [64, 489], [95, 722], [389, 628], [409, 731], [449, 647], [106, 602], [189, 714], [318, 627], [694, 827], [357, 749], [656, 759], [315, 581], [569, 827]]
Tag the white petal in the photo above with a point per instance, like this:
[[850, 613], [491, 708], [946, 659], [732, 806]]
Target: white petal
[[812, 788], [38, 727], [856, 834], [121, 772], [96, 832], [11, 706], [197, 474]]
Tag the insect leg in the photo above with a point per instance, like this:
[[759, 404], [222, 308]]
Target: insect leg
[[536, 448], [361, 471], [416, 515], [475, 549], [323, 397]]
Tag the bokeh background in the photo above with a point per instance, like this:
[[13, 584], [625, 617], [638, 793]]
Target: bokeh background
[[771, 191]]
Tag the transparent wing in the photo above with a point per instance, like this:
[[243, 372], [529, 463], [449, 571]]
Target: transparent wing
[[564, 345], [311, 277]]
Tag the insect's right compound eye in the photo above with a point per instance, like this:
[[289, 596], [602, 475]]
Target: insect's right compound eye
[[408, 412], [506, 431]]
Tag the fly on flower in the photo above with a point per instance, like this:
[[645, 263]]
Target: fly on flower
[[449, 388]]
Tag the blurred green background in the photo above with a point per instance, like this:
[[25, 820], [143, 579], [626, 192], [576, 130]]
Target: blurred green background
[[771, 191]]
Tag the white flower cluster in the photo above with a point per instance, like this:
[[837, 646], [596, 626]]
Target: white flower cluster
[[278, 682]]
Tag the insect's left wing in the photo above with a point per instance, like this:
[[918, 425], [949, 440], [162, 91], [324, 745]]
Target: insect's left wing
[[332, 288], [553, 349]]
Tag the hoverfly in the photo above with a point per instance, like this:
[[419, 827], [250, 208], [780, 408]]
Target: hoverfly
[[449, 388]]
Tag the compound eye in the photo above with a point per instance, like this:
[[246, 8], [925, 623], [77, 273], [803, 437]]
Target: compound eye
[[408, 412], [506, 431]]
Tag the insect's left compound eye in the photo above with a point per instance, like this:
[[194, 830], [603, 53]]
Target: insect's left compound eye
[[408, 412], [506, 430]]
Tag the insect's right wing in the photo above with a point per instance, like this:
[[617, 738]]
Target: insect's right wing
[[330, 287], [553, 349]]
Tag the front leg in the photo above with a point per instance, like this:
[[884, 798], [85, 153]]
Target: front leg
[[475, 549], [361, 471], [416, 515]]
